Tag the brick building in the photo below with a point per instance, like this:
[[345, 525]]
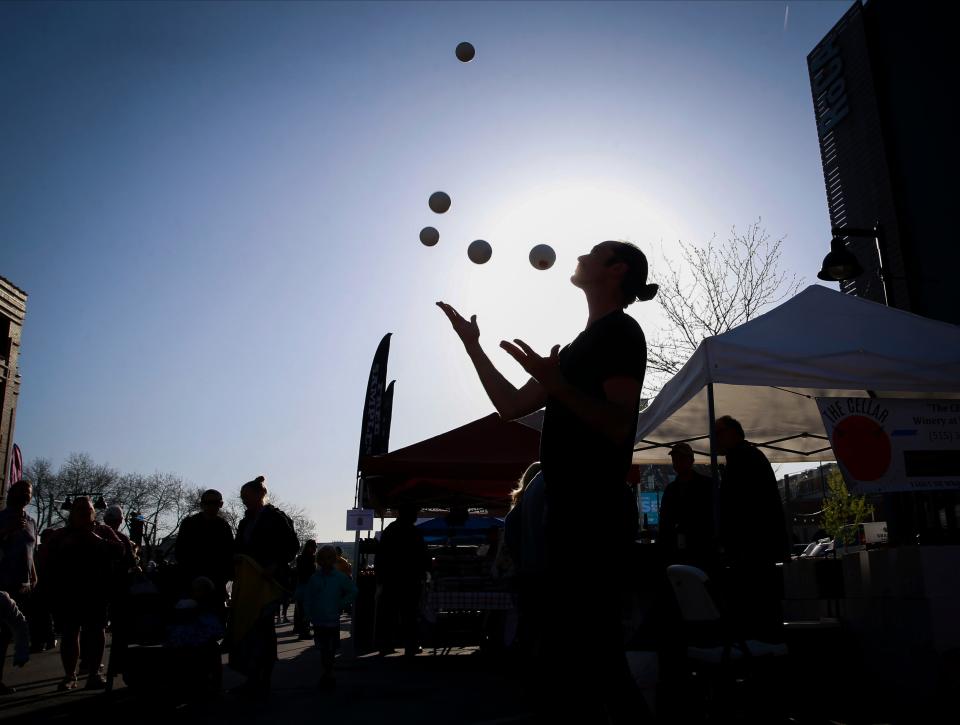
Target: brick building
[[13, 309]]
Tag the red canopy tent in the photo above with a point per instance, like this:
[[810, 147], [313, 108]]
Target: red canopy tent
[[476, 465]]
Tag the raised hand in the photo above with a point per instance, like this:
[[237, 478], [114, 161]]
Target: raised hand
[[545, 370], [467, 330]]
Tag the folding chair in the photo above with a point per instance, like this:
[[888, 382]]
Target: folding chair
[[712, 647]]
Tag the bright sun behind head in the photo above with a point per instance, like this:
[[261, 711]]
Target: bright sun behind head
[[571, 215]]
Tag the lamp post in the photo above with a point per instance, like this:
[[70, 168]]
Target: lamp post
[[66, 504], [841, 265]]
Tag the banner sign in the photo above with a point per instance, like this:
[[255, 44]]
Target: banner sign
[[360, 520], [894, 444], [381, 442], [16, 466], [370, 433], [650, 507]]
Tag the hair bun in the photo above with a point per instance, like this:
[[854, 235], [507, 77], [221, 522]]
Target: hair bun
[[259, 479], [647, 292]]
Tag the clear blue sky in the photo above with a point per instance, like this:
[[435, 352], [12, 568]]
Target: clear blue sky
[[215, 206]]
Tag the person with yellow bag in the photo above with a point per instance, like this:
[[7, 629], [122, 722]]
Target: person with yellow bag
[[265, 545]]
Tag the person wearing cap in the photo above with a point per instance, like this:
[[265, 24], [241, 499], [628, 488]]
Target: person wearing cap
[[590, 390], [686, 531]]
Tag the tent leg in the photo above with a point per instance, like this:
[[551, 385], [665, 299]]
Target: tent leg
[[714, 471]]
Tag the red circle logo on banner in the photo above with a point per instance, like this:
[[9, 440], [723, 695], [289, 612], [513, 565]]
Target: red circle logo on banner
[[863, 447]]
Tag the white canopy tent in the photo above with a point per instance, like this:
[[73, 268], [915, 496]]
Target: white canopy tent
[[767, 373]]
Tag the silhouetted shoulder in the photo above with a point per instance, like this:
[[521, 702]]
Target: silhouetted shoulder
[[626, 325]]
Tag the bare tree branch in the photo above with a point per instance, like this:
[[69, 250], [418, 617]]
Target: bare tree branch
[[712, 288]]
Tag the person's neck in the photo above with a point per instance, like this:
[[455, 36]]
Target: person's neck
[[600, 303], [685, 476], [255, 509]]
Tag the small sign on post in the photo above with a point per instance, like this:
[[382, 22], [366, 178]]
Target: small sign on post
[[360, 520]]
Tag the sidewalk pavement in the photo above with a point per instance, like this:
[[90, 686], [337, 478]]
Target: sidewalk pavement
[[463, 687]]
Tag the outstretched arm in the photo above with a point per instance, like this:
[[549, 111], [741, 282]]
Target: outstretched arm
[[614, 415], [510, 402]]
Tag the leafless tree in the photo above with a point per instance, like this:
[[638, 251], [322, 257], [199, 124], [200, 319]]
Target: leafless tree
[[80, 474], [712, 288], [161, 498], [305, 527], [233, 510], [46, 490]]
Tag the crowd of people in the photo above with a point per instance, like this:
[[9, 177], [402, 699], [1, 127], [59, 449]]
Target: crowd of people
[[590, 391], [221, 591]]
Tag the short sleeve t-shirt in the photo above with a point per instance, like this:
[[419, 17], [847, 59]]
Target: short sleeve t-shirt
[[579, 462]]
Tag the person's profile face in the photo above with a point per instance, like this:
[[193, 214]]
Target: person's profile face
[[597, 264], [726, 438]]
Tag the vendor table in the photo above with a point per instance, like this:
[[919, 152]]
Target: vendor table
[[470, 618], [469, 601]]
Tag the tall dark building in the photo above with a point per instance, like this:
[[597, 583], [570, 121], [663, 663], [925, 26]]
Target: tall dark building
[[13, 309], [883, 89]]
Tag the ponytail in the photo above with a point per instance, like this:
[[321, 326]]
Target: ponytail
[[634, 285]]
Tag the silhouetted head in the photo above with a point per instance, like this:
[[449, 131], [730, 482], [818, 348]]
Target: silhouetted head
[[254, 493], [82, 513], [682, 457], [211, 501], [326, 557], [310, 548], [729, 433], [113, 517], [408, 513], [532, 470], [339, 551], [19, 494], [615, 268]]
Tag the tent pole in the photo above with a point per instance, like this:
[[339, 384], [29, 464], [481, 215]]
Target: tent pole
[[714, 471], [356, 537], [356, 575]]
